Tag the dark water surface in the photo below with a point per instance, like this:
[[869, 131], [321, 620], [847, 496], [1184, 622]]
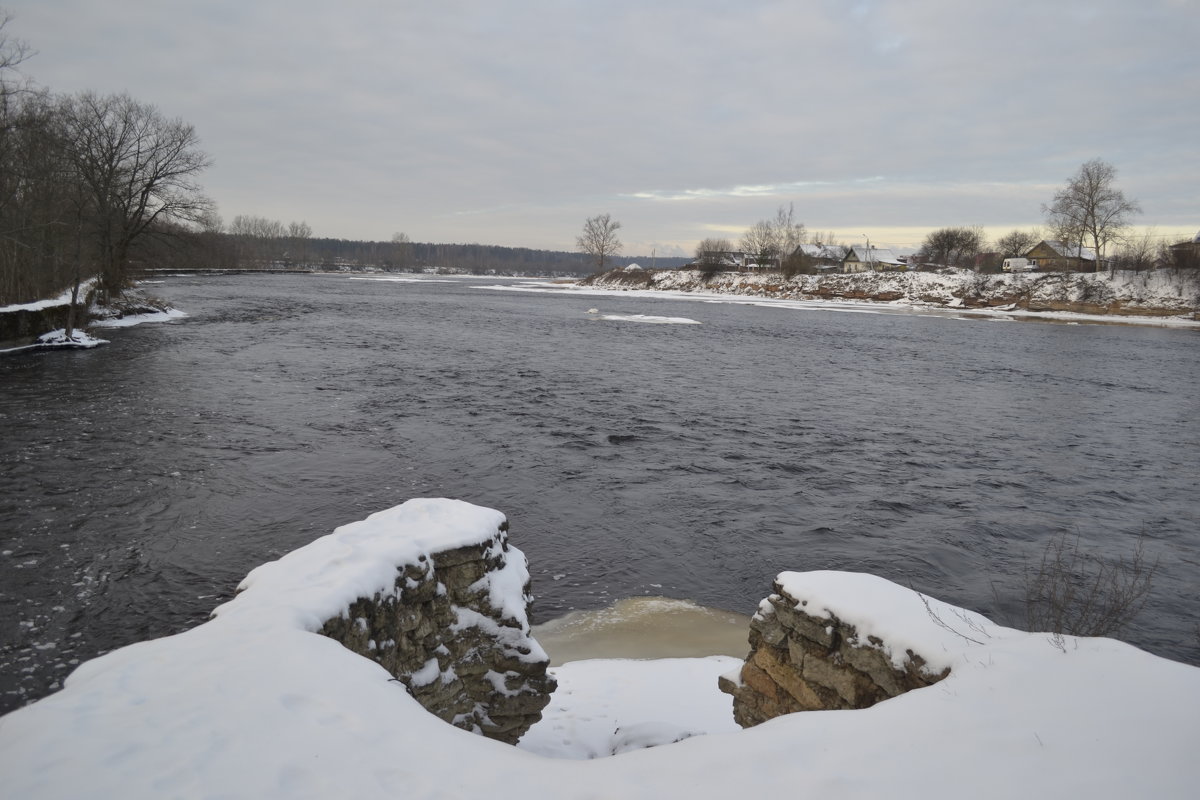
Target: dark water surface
[[143, 480]]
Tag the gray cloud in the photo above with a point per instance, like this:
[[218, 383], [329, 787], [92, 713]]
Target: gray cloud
[[511, 122]]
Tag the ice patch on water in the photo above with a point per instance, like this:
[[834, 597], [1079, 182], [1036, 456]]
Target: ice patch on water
[[403, 280], [647, 318], [129, 321]]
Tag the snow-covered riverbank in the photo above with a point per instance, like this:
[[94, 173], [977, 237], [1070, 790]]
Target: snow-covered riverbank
[[21, 324], [256, 704], [1158, 297]]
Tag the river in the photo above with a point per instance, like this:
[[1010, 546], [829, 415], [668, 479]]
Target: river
[[144, 479]]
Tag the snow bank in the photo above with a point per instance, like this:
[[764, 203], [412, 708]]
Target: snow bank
[[905, 621], [129, 320], [254, 704], [1157, 297], [58, 339], [62, 299]]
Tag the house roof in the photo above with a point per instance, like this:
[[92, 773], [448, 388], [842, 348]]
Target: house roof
[[881, 255], [1068, 250], [821, 251]]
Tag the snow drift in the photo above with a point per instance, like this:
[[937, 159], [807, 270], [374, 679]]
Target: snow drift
[[256, 704]]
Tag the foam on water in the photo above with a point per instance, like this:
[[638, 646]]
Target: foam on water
[[645, 627]]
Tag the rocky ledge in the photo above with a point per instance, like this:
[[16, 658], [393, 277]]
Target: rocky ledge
[[458, 651], [804, 659]]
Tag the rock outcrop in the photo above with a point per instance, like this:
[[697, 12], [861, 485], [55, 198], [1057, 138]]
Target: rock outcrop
[[446, 635], [803, 660]]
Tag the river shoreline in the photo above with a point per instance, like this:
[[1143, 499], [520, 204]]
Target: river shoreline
[[41, 325], [1159, 298]]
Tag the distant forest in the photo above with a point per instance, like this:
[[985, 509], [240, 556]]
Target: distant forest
[[222, 250]]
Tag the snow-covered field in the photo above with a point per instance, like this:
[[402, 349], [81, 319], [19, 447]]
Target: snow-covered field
[[255, 704]]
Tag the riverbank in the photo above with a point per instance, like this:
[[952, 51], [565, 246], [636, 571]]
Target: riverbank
[[257, 703], [43, 324], [1153, 297]]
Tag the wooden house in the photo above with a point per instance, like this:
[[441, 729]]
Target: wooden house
[[1051, 255]]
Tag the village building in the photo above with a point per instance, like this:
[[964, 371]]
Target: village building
[[1186, 254], [1051, 255], [820, 257], [732, 261], [873, 259]]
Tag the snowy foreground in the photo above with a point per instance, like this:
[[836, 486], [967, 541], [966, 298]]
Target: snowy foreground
[[255, 704]]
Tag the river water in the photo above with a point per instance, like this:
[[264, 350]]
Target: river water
[[144, 479]]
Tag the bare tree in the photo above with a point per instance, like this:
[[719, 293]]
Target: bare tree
[[298, 234], [774, 241], [599, 239], [1090, 210], [1139, 253], [761, 240], [789, 235], [138, 168], [401, 250], [1017, 243], [710, 255], [253, 227], [13, 52], [952, 247], [41, 205], [299, 230]]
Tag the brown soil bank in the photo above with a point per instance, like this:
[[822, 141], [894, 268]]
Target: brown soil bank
[[1157, 293]]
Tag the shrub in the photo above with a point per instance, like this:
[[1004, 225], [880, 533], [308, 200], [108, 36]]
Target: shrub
[[1077, 593]]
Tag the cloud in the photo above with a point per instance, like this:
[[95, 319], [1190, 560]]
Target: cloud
[[511, 123]]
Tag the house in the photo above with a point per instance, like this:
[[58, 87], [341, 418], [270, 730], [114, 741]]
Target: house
[[1051, 255], [732, 261], [873, 259], [1186, 254], [821, 257]]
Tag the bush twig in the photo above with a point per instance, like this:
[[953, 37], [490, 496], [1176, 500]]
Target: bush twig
[[1076, 593]]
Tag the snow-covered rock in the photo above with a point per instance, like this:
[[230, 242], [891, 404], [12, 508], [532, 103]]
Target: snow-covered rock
[[78, 338], [809, 659]]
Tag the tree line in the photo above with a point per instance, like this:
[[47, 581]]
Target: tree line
[[85, 180], [106, 186], [1089, 212], [271, 245]]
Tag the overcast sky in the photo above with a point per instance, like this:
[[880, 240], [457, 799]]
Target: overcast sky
[[512, 122]]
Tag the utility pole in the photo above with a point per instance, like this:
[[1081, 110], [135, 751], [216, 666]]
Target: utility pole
[[870, 260]]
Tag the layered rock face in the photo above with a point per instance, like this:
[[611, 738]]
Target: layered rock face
[[801, 661], [443, 632]]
